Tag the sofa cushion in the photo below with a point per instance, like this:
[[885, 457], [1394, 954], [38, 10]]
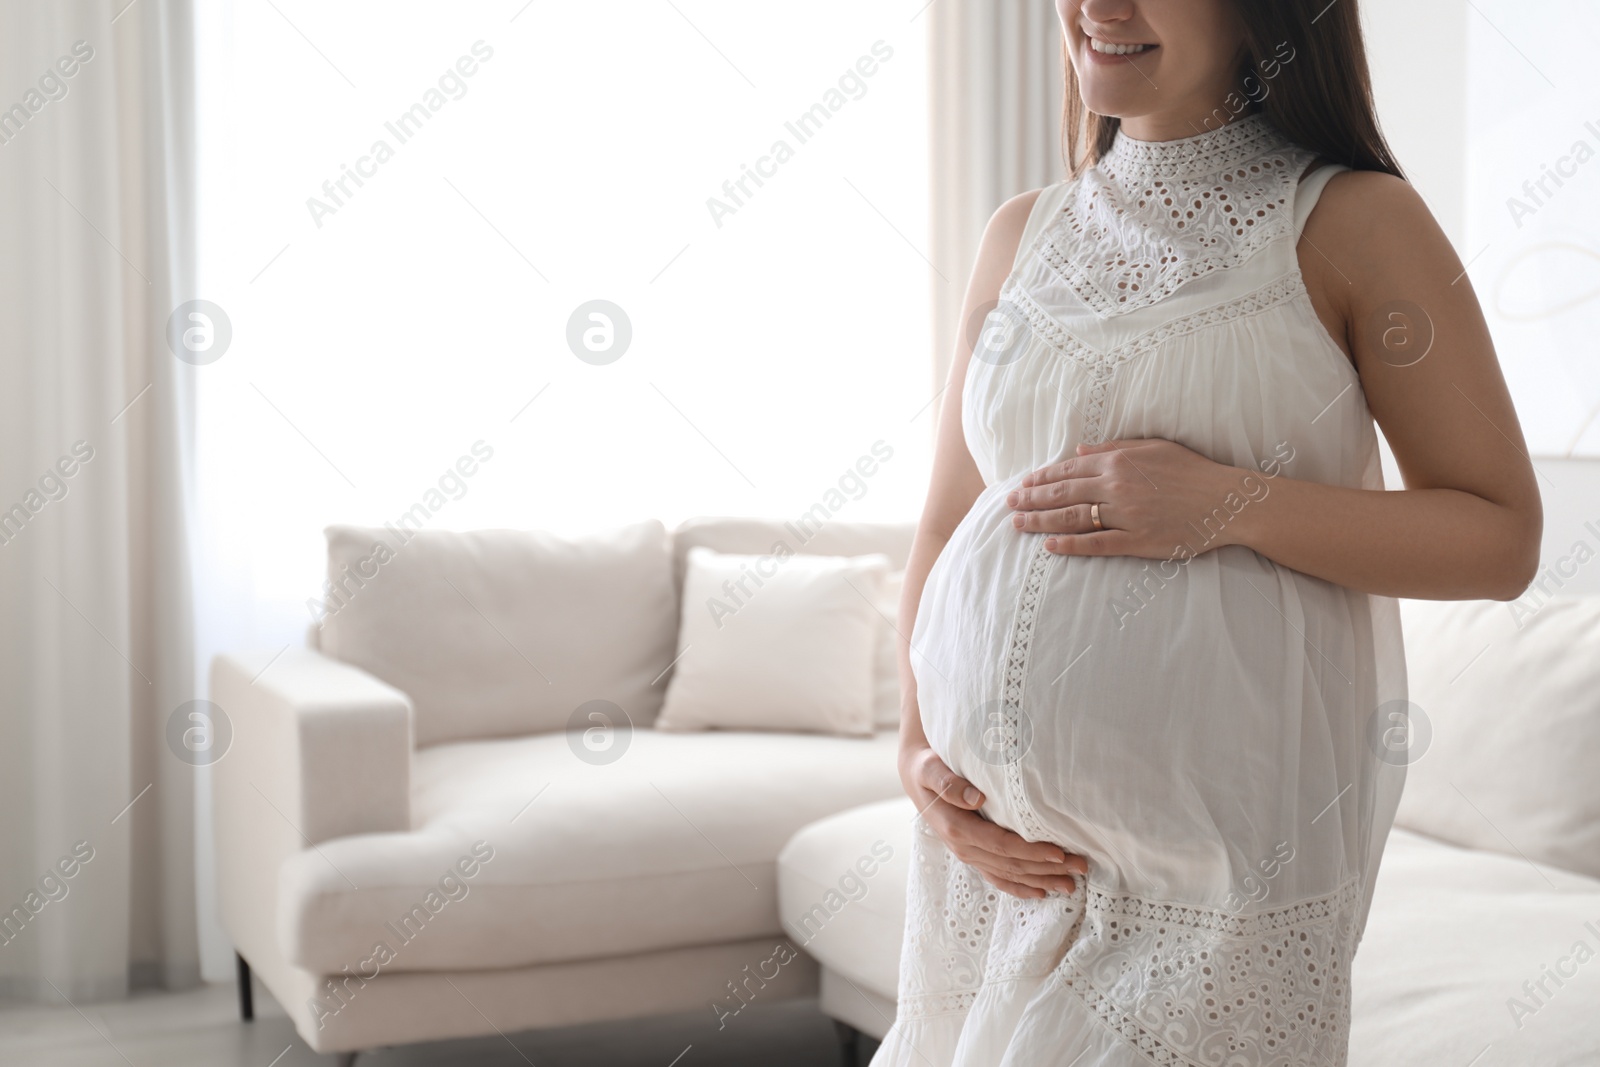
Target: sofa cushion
[[651, 841], [1457, 947], [776, 642], [842, 891], [1511, 698], [504, 632]]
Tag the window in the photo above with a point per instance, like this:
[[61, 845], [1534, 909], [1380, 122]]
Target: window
[[407, 210]]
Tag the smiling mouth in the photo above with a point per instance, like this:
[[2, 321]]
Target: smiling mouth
[[1107, 49]]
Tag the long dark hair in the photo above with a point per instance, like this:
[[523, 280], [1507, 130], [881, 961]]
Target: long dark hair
[[1305, 69]]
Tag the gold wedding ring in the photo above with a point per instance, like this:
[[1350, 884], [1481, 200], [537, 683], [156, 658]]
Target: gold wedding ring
[[1094, 516]]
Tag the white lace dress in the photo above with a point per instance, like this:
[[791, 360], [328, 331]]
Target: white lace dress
[[1211, 732]]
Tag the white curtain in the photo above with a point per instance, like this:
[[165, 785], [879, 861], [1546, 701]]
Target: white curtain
[[995, 92], [96, 839]]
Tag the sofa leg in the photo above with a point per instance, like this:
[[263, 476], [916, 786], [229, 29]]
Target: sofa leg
[[849, 1042], [347, 1059], [247, 1007]]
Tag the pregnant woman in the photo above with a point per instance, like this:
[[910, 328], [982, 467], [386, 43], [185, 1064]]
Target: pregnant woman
[[1155, 724]]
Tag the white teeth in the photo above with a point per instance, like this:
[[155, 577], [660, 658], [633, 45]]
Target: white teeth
[[1117, 49]]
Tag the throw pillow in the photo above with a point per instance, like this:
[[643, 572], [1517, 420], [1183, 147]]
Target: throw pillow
[[776, 643], [1511, 698]]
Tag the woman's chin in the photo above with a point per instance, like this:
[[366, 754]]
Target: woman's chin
[[1114, 105]]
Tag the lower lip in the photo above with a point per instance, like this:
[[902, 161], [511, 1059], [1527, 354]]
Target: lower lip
[[1103, 57]]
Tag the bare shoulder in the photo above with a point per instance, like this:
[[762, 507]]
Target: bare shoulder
[[1002, 238], [1006, 225], [1372, 239], [1015, 212], [997, 252], [1359, 194], [1367, 215]]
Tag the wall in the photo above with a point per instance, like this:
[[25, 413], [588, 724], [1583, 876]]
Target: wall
[[1421, 94]]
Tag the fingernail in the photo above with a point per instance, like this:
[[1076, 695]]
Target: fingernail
[[1050, 543], [1017, 520], [1011, 499], [971, 796]]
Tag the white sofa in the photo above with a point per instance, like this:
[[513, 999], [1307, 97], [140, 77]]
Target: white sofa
[[428, 775], [1483, 942], [449, 815]]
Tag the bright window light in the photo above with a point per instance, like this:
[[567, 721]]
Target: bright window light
[[408, 209]]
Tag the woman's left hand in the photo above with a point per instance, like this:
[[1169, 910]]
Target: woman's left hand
[[1158, 500]]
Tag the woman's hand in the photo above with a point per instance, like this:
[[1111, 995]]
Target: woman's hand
[[1158, 500], [1007, 861]]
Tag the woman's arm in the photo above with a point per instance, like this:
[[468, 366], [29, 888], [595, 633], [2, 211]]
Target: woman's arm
[[947, 802], [1389, 288], [1468, 523]]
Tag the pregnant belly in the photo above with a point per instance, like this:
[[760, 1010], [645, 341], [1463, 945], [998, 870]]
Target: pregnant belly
[[1151, 714]]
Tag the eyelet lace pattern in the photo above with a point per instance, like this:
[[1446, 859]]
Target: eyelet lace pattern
[[1186, 986], [975, 934], [1151, 217], [1189, 987]]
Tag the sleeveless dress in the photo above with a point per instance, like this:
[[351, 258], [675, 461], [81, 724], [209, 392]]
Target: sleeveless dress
[[1213, 731]]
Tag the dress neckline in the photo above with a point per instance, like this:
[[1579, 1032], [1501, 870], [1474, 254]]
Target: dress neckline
[[1202, 155]]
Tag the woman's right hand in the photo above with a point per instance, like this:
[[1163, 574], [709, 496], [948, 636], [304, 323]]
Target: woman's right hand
[[1008, 861]]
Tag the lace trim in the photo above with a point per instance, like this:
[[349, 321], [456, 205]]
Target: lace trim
[[1152, 216], [963, 934], [1029, 939], [923, 1005], [950, 913], [1041, 322], [1192, 987], [1186, 985], [1217, 920], [1011, 712], [1205, 153]]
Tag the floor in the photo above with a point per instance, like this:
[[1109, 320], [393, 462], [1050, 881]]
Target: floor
[[201, 1028]]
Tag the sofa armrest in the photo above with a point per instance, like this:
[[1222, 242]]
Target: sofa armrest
[[326, 743], [320, 750]]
